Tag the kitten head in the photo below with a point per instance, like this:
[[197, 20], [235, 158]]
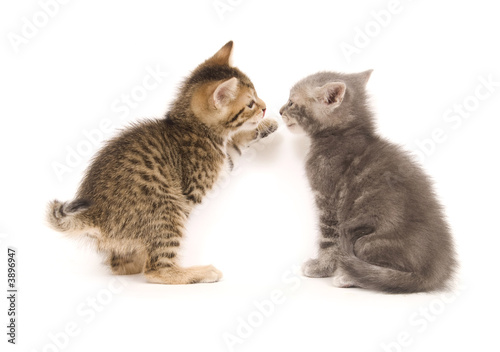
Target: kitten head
[[221, 96], [327, 100]]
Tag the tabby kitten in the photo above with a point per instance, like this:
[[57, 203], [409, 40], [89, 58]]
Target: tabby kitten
[[381, 225], [141, 186]]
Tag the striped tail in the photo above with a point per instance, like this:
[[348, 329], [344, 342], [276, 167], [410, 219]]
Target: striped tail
[[62, 216]]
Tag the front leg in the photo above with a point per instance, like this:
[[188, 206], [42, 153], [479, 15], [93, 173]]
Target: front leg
[[241, 140], [326, 263], [161, 239]]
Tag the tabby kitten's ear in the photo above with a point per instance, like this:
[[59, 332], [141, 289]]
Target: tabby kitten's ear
[[330, 94], [225, 93], [223, 56]]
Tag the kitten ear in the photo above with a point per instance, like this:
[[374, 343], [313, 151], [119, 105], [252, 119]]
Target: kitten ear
[[331, 94], [225, 92], [223, 56], [365, 76]]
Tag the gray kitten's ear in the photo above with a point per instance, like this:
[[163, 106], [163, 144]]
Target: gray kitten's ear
[[365, 76], [223, 56], [225, 92], [331, 94]]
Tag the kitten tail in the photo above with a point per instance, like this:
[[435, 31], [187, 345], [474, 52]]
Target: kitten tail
[[63, 216], [378, 278]]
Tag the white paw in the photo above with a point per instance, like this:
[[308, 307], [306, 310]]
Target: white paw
[[342, 280]]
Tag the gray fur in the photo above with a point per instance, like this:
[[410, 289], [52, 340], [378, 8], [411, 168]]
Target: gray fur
[[381, 225]]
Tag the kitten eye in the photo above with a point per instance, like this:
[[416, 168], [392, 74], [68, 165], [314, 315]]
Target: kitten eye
[[251, 104], [290, 103]]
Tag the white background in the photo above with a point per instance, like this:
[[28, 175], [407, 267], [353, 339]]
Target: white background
[[69, 76]]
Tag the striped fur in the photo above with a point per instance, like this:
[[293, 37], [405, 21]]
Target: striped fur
[[141, 187]]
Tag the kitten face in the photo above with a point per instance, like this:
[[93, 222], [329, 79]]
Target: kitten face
[[232, 105], [293, 110], [323, 100], [224, 98]]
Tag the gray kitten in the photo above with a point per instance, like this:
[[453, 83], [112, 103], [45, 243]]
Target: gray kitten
[[381, 225]]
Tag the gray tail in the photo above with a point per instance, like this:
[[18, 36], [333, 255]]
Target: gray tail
[[63, 216], [378, 278]]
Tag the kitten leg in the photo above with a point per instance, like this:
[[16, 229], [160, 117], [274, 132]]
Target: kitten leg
[[243, 139], [127, 263], [383, 252], [161, 263], [265, 128], [162, 268], [175, 275], [326, 263], [342, 280], [318, 268]]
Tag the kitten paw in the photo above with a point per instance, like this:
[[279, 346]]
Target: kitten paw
[[313, 268], [211, 274], [183, 276], [266, 127], [342, 280]]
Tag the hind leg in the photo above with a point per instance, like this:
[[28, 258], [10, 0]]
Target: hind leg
[[382, 251], [126, 263], [342, 280]]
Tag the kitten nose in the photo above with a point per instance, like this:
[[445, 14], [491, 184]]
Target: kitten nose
[[281, 110]]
